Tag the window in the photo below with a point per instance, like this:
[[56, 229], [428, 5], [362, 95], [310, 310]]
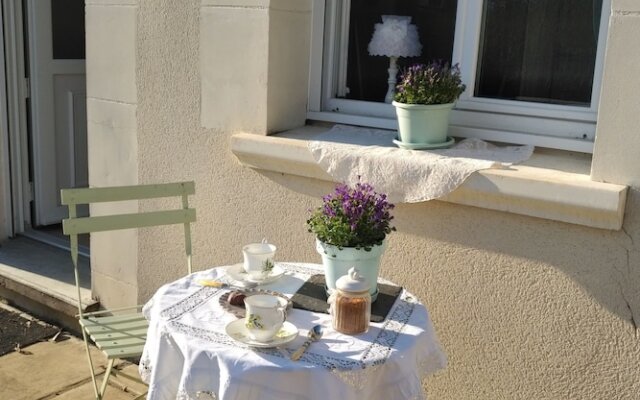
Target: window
[[532, 67]]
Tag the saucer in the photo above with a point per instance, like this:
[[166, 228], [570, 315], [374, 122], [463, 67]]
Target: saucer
[[238, 332], [424, 146], [238, 273]]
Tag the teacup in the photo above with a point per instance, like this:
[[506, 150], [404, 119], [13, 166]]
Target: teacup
[[258, 259], [264, 316]]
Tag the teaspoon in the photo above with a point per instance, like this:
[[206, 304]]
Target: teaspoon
[[315, 334]]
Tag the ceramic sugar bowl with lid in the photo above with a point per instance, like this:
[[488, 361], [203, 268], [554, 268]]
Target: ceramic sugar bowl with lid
[[350, 304]]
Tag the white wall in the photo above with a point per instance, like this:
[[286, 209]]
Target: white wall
[[112, 140], [525, 308], [615, 157]]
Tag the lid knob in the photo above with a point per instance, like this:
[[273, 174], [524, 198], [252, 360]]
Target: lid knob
[[353, 281]]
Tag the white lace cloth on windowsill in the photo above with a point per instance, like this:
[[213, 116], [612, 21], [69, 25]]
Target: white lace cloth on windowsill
[[351, 154], [188, 355]]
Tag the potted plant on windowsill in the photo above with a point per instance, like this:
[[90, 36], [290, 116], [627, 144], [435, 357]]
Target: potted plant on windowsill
[[424, 99], [351, 229]]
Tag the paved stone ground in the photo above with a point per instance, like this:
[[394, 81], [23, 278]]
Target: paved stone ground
[[58, 369]]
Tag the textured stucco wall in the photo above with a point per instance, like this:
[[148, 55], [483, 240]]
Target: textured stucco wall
[[526, 308]]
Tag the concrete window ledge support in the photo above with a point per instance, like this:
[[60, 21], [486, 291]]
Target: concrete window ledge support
[[553, 185]]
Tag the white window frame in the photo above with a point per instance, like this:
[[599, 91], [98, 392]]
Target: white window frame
[[546, 125]]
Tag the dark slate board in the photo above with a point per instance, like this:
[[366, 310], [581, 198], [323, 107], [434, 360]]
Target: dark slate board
[[312, 297]]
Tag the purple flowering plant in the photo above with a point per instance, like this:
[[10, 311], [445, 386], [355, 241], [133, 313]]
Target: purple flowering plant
[[352, 217], [434, 83]]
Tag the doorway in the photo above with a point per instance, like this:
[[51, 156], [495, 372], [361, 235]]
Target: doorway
[[45, 58], [44, 148], [58, 115]]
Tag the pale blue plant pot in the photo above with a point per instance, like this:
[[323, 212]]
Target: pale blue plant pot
[[423, 124], [337, 263]]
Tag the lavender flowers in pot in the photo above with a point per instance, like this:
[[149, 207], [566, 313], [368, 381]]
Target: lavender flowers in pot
[[424, 99], [351, 228]]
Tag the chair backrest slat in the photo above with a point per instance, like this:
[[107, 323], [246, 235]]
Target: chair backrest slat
[[79, 226], [73, 226], [123, 193]]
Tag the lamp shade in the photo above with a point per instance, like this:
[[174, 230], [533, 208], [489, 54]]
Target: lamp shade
[[396, 36]]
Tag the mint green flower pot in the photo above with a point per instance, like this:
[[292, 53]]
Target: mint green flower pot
[[423, 124], [337, 262]]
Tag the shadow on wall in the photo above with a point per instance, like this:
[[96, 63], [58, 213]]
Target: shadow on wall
[[434, 235], [606, 264]]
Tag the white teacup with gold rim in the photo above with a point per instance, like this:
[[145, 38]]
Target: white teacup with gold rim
[[264, 316], [258, 259]]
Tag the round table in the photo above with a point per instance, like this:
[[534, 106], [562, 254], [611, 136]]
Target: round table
[[188, 355]]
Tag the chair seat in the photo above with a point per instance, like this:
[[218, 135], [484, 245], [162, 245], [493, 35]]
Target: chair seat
[[118, 336]]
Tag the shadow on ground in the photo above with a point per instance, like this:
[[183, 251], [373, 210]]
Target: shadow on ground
[[16, 331]]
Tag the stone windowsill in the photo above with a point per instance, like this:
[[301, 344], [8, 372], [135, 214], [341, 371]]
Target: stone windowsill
[[552, 184]]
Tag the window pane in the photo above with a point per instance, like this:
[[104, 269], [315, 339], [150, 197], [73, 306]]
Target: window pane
[[67, 26], [366, 74], [538, 50]]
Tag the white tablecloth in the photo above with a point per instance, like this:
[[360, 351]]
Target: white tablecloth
[[188, 354]]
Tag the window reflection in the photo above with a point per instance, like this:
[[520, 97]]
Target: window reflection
[[67, 29], [539, 50], [367, 75]]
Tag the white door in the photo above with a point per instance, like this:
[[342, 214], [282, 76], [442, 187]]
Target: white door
[[58, 103]]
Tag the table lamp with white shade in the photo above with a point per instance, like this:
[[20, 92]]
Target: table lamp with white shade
[[395, 37]]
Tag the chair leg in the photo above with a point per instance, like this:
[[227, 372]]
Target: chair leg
[[106, 376], [93, 375], [120, 374]]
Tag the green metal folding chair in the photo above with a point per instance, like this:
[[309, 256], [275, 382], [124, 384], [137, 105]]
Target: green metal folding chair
[[121, 333]]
